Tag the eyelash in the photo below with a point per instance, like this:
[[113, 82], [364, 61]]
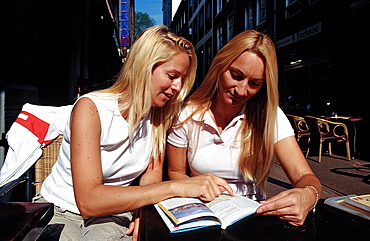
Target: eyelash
[[171, 76], [235, 76], [240, 77]]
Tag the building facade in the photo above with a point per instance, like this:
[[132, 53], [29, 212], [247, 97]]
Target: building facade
[[320, 45], [55, 51], [309, 37], [167, 12]]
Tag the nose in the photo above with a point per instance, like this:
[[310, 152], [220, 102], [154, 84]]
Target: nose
[[241, 89], [176, 85]]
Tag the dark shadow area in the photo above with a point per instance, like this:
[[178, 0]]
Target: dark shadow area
[[279, 183], [51, 232], [349, 172], [338, 157]]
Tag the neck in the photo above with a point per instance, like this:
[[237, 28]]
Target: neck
[[223, 116]]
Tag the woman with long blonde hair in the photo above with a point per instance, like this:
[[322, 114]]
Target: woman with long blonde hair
[[116, 136], [232, 127]]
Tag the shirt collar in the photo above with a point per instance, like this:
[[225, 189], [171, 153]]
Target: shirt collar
[[207, 118]]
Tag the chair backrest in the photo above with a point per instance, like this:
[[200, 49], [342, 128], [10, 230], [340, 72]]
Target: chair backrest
[[44, 165], [324, 127], [313, 125], [338, 129], [299, 124]]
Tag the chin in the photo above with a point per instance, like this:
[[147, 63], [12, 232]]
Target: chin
[[159, 104]]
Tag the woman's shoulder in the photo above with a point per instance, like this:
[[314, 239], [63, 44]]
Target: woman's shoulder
[[188, 107], [280, 113], [101, 99], [102, 96], [190, 112]]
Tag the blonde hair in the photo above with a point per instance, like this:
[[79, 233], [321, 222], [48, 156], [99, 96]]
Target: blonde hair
[[133, 85], [257, 130]]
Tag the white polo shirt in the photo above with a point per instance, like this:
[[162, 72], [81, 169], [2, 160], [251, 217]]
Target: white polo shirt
[[219, 153]]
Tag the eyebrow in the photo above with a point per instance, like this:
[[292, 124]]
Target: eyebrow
[[173, 71]]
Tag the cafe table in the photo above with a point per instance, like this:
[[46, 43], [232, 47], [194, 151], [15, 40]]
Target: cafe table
[[24, 220], [325, 223]]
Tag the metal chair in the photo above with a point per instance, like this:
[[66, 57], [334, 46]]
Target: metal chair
[[329, 131]]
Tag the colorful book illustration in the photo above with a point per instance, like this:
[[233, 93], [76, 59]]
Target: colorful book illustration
[[184, 214]]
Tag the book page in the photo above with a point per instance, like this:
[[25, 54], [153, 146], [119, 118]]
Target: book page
[[361, 201], [230, 209], [186, 226], [184, 209], [338, 202]]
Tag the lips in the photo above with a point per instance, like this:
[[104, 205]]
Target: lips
[[167, 95], [236, 97]]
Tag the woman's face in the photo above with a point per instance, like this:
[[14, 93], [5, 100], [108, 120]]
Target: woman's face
[[167, 78], [243, 79]]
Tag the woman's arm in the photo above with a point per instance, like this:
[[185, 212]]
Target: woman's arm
[[177, 162], [295, 164], [154, 172], [95, 199], [293, 204]]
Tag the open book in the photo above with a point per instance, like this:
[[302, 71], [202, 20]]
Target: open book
[[361, 201], [184, 214], [341, 203]]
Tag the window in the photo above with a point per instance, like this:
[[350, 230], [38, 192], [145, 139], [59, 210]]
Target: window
[[208, 54], [312, 1], [191, 6], [230, 27], [195, 31], [219, 38], [192, 33], [288, 2], [201, 22], [292, 7], [208, 13], [261, 11], [219, 6], [248, 17]]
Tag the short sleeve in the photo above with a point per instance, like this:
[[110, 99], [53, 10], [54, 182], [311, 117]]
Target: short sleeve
[[284, 128], [177, 136]]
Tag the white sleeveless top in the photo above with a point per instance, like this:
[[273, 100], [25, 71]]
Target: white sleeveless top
[[122, 161]]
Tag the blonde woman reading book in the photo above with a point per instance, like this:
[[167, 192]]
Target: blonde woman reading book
[[232, 127], [116, 135]]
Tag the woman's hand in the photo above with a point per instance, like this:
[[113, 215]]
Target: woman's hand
[[206, 186], [133, 228], [292, 205]]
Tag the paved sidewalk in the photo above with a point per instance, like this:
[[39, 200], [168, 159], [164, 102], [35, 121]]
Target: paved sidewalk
[[338, 176]]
